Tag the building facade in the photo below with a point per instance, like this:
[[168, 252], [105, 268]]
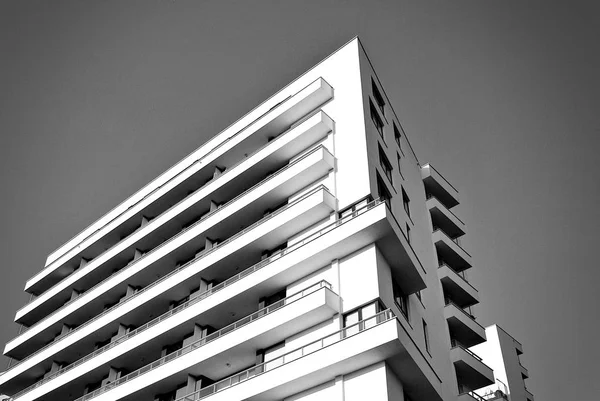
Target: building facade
[[303, 253], [502, 352]]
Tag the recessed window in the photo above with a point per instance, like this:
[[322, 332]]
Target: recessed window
[[408, 233], [384, 193], [385, 165], [406, 202], [399, 164], [397, 135], [376, 120], [378, 97], [426, 335], [400, 298]]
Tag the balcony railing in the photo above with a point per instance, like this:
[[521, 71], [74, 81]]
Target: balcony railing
[[198, 297], [209, 214], [176, 270], [224, 173], [430, 196], [218, 146], [455, 240], [455, 344], [461, 274], [208, 339], [291, 356]]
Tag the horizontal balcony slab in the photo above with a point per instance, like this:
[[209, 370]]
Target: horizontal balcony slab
[[463, 326], [301, 369], [450, 252], [470, 370], [273, 156], [529, 395], [229, 349], [443, 218], [311, 208], [524, 372], [257, 129], [438, 186], [457, 288], [223, 222]]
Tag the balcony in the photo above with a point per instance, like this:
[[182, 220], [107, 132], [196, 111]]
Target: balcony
[[529, 395], [274, 156], [222, 351], [450, 252], [471, 372], [457, 288], [463, 326], [173, 185], [369, 341], [443, 218], [524, 372], [220, 261], [437, 186], [470, 396], [221, 223]]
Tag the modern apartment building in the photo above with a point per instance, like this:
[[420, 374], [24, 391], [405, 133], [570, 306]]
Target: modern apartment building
[[502, 353], [303, 253]]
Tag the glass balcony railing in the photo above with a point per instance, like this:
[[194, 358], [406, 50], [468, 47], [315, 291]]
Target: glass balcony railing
[[198, 297], [208, 339], [176, 270], [177, 235], [291, 356]]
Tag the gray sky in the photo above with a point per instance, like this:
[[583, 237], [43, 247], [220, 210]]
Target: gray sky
[[97, 98]]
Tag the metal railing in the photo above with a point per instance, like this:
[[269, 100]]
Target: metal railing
[[177, 235], [461, 274], [218, 146], [176, 270], [291, 356], [438, 173], [469, 315], [451, 239], [198, 297], [456, 344], [208, 339], [154, 220]]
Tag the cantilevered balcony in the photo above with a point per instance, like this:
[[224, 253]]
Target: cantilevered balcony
[[471, 372], [222, 351], [457, 288], [450, 252], [175, 183], [437, 186], [470, 396], [524, 372], [216, 264], [463, 326], [444, 219], [529, 395], [222, 222], [227, 185]]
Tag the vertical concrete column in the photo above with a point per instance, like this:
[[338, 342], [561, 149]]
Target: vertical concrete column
[[218, 171], [339, 388], [64, 330], [204, 286], [120, 332], [144, 222], [113, 374], [82, 263], [55, 367]]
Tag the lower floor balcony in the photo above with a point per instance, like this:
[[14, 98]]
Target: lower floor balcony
[[471, 372]]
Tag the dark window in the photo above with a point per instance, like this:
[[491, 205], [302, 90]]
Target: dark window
[[397, 136], [376, 120], [399, 164], [378, 97], [419, 295], [385, 165], [408, 233], [400, 298], [406, 202], [383, 192], [426, 335]]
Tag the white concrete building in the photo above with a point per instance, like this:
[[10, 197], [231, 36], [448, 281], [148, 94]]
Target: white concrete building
[[303, 253], [502, 353]]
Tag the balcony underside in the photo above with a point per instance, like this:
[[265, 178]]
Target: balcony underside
[[470, 371], [252, 170], [436, 185], [451, 253], [90, 243], [462, 327], [457, 288], [445, 219], [218, 266]]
